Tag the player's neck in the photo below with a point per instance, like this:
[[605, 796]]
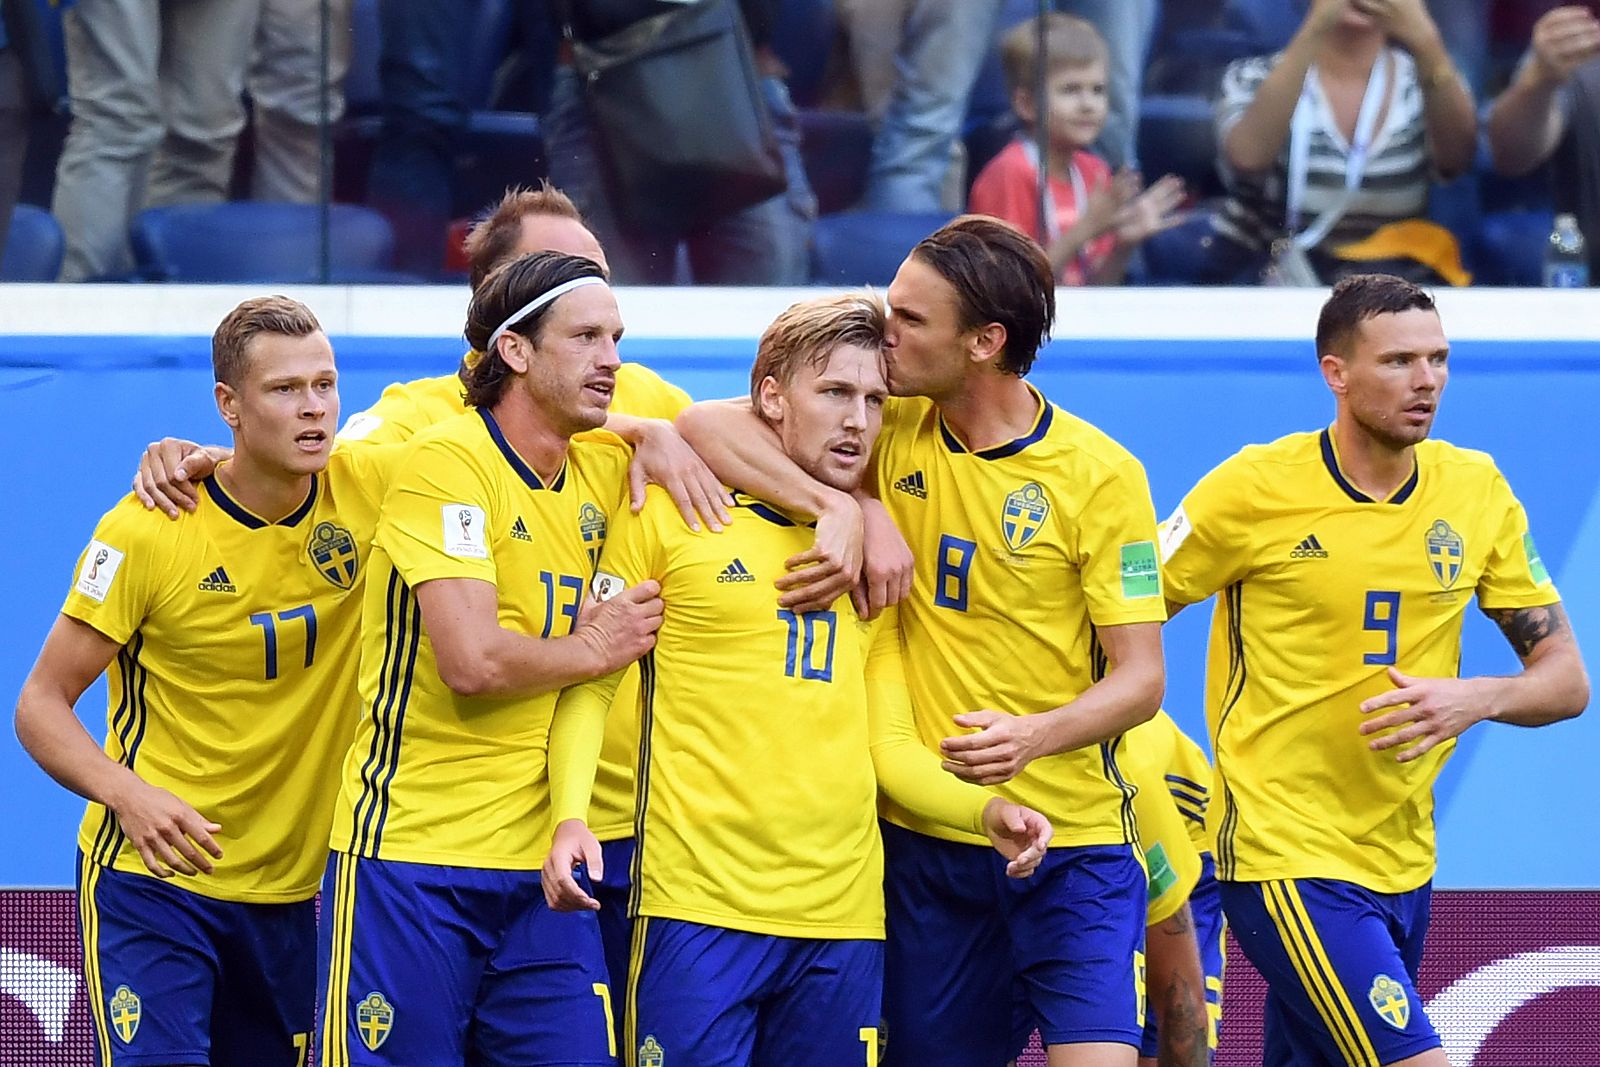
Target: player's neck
[[269, 492], [1373, 467], [531, 434], [990, 410]]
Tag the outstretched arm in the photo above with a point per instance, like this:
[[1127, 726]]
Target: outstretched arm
[[1551, 686]]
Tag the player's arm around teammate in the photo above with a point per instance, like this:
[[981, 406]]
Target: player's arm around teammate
[[853, 530]]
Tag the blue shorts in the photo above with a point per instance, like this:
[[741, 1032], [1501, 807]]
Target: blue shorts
[[1341, 963], [964, 940], [1211, 932], [616, 929], [174, 977], [431, 964], [711, 997]]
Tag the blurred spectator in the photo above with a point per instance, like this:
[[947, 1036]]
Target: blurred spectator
[[285, 85], [14, 98], [1093, 221], [1127, 26], [1551, 111], [424, 46], [144, 75], [1339, 134], [766, 244], [941, 45]]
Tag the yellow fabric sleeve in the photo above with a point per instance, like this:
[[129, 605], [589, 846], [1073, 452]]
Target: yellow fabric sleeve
[[908, 773], [576, 734]]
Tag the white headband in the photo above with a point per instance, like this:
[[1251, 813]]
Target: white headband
[[538, 302]]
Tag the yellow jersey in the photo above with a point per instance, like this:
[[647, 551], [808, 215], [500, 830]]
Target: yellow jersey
[[235, 685], [407, 407], [1184, 770], [1022, 550], [1323, 589], [1171, 857], [434, 777], [761, 814]]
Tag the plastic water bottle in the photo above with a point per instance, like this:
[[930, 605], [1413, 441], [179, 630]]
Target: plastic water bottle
[[1566, 260]]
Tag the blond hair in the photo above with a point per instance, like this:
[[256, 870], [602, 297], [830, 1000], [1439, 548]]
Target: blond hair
[[262, 314], [808, 332], [1068, 42]]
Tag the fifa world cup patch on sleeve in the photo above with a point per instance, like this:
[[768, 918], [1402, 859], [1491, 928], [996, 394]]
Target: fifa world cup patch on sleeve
[[1141, 574], [1162, 877], [1535, 564], [100, 563], [465, 533], [1174, 532], [358, 426], [605, 586]]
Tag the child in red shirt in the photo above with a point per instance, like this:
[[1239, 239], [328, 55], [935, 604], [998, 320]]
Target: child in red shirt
[[1098, 218]]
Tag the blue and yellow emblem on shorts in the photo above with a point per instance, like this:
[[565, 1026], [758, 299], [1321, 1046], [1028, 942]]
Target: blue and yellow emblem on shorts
[[1389, 1000], [1444, 553], [374, 1019], [333, 551], [126, 1011], [651, 1054], [1023, 514]]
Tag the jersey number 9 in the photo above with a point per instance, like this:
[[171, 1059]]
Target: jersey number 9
[[1383, 615]]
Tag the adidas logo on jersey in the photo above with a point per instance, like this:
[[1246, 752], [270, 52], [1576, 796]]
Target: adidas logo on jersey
[[519, 531], [1310, 548], [914, 485], [217, 582], [736, 572]]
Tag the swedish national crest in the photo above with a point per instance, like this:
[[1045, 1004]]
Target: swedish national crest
[[374, 1019], [1445, 549], [333, 552], [126, 1011], [592, 527], [1389, 1000], [651, 1054], [1023, 515]]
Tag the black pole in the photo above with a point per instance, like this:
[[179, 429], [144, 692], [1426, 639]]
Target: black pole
[[1041, 119], [325, 146]]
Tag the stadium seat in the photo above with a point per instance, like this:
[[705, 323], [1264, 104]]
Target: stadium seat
[[1177, 135], [34, 246], [1267, 23], [866, 247], [261, 242], [836, 147]]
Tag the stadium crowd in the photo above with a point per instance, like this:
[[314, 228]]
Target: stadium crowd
[[1225, 141]]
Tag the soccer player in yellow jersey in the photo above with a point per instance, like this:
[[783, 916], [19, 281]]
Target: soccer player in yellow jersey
[[767, 734], [1344, 560], [441, 948], [1035, 622], [233, 634]]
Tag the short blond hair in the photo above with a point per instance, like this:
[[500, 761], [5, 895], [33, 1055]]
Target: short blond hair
[[1068, 41], [230, 343], [808, 332]]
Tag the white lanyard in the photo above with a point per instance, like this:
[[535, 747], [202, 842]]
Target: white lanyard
[[1080, 193], [1360, 147]]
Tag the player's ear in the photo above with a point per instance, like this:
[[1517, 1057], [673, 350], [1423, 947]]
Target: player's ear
[[769, 400], [228, 404], [986, 343], [516, 351], [1333, 372]]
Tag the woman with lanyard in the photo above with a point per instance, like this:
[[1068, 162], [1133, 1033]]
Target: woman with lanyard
[[1337, 135]]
